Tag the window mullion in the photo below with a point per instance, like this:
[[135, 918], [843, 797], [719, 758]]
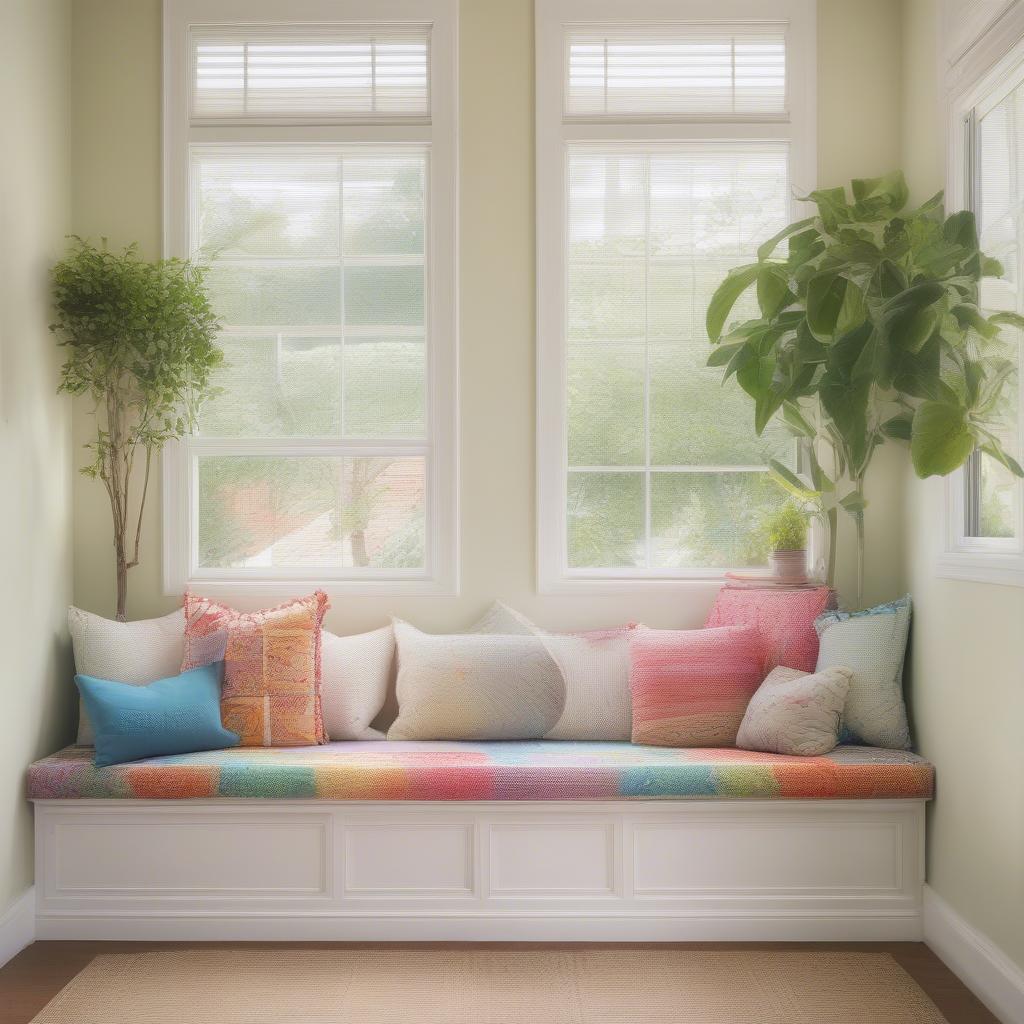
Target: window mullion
[[647, 362]]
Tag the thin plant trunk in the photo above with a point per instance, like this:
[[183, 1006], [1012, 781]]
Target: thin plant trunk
[[116, 472], [859, 521], [832, 517]]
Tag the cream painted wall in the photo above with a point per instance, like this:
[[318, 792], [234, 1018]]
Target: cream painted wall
[[117, 194], [35, 434], [967, 664]]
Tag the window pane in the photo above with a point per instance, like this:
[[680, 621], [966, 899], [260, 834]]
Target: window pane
[[606, 405], [289, 296], [385, 388], [696, 420], [710, 520], [276, 386], [267, 204], [311, 512], [652, 234], [607, 301], [383, 202], [1001, 224], [606, 520], [381, 295]]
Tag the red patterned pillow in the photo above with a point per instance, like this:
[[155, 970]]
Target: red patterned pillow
[[691, 687], [271, 690], [785, 620]]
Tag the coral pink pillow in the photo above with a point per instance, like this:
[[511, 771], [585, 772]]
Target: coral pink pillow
[[784, 618], [271, 690], [691, 687]]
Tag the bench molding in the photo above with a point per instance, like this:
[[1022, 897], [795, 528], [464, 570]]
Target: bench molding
[[560, 871]]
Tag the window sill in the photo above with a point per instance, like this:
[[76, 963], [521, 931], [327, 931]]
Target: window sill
[[982, 567], [280, 590], [567, 586]]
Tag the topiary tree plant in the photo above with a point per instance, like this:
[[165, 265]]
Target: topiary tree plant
[[869, 330], [141, 344]]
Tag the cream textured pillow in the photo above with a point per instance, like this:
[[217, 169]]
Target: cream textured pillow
[[474, 686], [595, 672], [126, 652], [356, 671], [795, 712]]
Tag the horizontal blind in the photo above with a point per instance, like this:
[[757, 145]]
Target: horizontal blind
[[309, 72], [699, 70]]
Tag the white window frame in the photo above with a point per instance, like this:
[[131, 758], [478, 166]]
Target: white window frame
[[555, 132], [438, 133], [977, 77]]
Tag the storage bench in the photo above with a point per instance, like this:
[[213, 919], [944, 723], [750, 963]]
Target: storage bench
[[532, 841]]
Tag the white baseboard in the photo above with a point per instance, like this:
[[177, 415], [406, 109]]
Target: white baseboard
[[735, 927], [18, 926], [984, 968]]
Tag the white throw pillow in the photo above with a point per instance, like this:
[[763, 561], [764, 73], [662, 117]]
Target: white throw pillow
[[873, 644], [355, 672], [126, 652], [795, 712]]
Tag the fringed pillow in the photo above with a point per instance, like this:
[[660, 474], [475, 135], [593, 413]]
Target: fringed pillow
[[271, 691]]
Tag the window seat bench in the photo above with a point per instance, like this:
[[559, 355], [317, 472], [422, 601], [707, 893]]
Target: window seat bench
[[482, 841], [544, 770]]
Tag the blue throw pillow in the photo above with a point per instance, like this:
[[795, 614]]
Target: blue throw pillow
[[171, 716]]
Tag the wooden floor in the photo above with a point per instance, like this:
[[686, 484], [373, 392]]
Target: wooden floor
[[39, 972]]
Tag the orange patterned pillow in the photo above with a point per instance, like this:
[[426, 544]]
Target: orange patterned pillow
[[271, 690]]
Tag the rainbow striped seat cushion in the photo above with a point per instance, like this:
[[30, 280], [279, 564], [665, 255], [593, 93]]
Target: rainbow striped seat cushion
[[527, 770]]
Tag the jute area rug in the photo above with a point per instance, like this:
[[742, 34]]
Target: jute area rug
[[445, 986]]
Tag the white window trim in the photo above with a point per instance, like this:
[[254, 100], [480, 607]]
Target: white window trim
[[554, 132], [972, 79], [439, 133]]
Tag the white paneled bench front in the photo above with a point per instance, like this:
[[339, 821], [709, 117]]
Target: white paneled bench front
[[488, 841]]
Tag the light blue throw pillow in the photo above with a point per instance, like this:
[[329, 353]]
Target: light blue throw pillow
[[171, 716], [873, 644]]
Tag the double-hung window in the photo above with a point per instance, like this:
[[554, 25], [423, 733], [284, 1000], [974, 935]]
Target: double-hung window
[[983, 538], [672, 139], [310, 166]]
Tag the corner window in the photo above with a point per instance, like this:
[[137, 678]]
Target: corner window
[[983, 529]]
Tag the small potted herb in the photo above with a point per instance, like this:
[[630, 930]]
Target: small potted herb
[[787, 541]]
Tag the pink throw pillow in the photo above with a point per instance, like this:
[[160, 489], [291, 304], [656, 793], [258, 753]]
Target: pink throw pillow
[[691, 687], [784, 618], [271, 690]]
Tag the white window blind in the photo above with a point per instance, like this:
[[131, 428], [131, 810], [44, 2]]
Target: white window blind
[[699, 70], [310, 73], [664, 469]]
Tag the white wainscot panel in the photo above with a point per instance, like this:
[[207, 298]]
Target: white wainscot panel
[[198, 856], [551, 859], [718, 856], [393, 859]]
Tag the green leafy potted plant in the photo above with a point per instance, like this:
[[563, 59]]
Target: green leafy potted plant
[[869, 330], [786, 530], [140, 338]]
